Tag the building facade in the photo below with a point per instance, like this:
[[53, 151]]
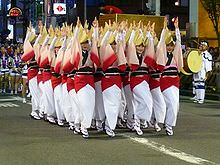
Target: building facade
[[35, 10]]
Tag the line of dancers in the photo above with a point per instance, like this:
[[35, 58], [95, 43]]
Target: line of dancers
[[119, 74]]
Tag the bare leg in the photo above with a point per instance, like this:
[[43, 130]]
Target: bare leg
[[17, 80], [1, 80], [5, 81], [12, 82]]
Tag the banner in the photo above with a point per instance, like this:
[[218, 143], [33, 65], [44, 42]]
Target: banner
[[59, 8]]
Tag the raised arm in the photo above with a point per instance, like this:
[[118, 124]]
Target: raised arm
[[178, 50], [52, 45], [150, 36], [131, 39], [95, 34], [163, 33], [177, 31], [76, 30], [64, 43], [27, 35], [105, 38], [37, 40], [46, 40]]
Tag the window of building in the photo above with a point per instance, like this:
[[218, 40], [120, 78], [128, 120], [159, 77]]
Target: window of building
[[184, 3], [94, 2]]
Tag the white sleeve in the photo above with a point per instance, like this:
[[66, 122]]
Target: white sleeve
[[46, 40], [141, 33], [64, 44], [105, 38], [27, 35], [178, 36], [95, 34], [131, 39], [120, 37], [69, 44], [76, 31], [37, 40], [162, 35], [52, 45], [149, 36], [208, 62]]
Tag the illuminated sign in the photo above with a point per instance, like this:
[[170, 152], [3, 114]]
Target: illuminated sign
[[59, 8], [15, 12]]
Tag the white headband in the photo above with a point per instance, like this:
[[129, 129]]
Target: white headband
[[204, 43]]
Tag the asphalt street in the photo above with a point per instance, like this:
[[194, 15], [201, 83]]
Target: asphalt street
[[25, 141]]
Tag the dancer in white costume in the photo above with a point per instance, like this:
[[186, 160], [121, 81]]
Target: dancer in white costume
[[56, 79], [159, 106], [68, 109], [171, 60], [113, 62], [29, 55], [48, 90], [34, 88], [99, 113], [139, 80], [73, 113], [84, 79], [37, 47]]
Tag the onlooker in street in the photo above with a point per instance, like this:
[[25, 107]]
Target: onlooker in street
[[4, 70], [200, 77]]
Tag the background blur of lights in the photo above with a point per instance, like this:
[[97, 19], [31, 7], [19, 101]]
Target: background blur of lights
[[177, 3]]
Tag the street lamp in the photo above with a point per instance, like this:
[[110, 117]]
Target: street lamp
[[177, 3]]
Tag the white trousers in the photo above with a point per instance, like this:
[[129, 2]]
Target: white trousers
[[99, 113], [75, 106], [129, 104], [194, 87], [122, 105], [199, 83], [112, 101], [49, 99], [86, 97], [171, 97], [200, 90], [58, 102], [143, 102], [159, 105], [42, 98], [35, 93], [200, 94], [66, 105]]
